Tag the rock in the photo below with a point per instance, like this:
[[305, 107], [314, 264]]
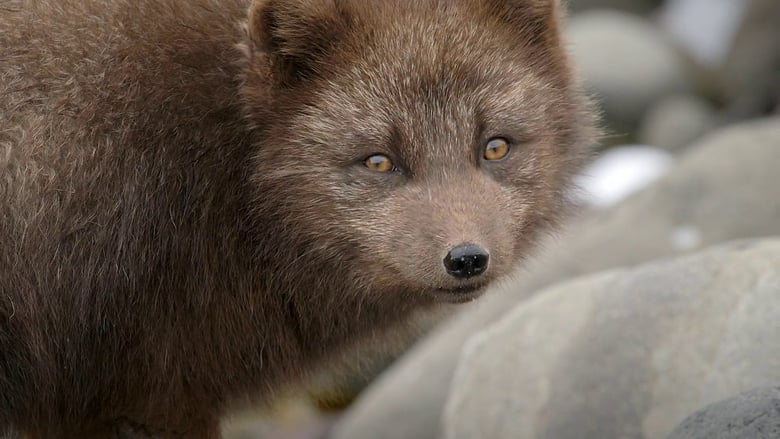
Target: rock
[[627, 62], [754, 414], [737, 46], [625, 353], [751, 72], [676, 121], [635, 6], [704, 28], [723, 188]]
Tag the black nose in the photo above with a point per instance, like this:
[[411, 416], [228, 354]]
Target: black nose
[[466, 260]]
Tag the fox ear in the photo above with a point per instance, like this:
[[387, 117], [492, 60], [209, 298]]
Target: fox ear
[[536, 20], [295, 34]]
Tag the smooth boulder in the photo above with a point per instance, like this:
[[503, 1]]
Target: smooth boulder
[[635, 6], [676, 122], [624, 353], [627, 62], [754, 414]]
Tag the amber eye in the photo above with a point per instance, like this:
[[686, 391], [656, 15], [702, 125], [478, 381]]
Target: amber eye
[[379, 163], [496, 149]]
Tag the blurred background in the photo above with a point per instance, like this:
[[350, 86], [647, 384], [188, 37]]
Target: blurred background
[[690, 94]]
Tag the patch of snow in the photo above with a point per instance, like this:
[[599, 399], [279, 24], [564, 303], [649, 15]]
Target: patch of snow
[[620, 172]]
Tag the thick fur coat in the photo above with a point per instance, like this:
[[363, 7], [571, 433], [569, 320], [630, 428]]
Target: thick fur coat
[[186, 216]]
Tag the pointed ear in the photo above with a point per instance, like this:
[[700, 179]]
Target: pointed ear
[[295, 34], [537, 21]]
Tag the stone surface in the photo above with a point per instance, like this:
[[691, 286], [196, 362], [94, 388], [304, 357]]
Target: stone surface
[[704, 28], [754, 414], [624, 353], [751, 72], [676, 121], [725, 187], [635, 6], [627, 62]]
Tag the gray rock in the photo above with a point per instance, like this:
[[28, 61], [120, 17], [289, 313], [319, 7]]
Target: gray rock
[[627, 62], [676, 121], [754, 414], [724, 188], [626, 353], [635, 6], [751, 73], [704, 28]]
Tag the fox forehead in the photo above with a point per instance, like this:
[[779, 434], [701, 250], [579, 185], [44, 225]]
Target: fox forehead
[[397, 107]]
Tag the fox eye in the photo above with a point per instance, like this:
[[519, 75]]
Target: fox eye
[[379, 163], [496, 149]]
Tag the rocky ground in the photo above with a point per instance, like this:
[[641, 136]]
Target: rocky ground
[[656, 313], [754, 414]]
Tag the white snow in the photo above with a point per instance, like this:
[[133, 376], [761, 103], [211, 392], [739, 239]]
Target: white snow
[[620, 172]]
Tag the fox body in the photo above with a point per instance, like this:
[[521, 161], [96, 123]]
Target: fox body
[[201, 200]]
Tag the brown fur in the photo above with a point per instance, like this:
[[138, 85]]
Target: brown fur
[[185, 221]]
